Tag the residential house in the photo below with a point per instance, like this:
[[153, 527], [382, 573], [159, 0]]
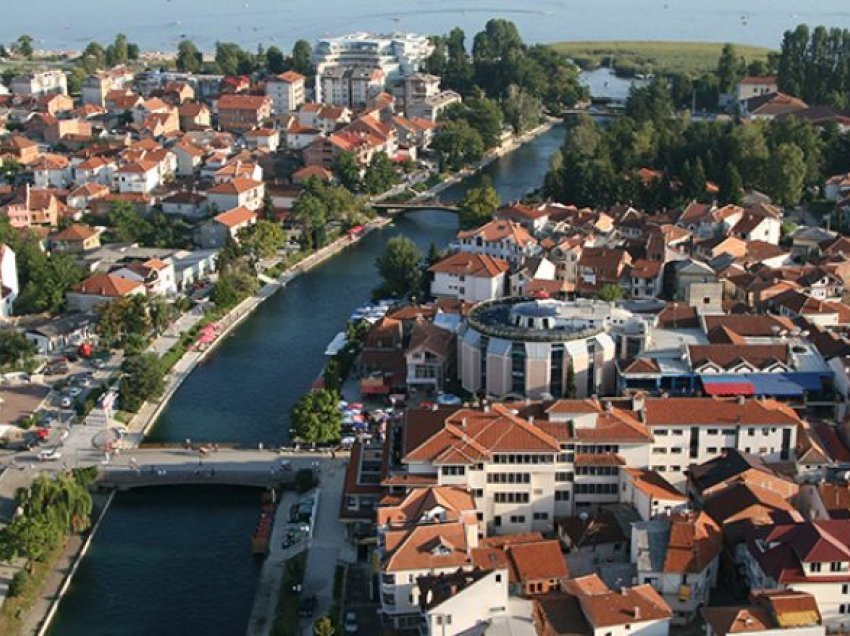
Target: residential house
[[8, 281], [755, 86], [190, 205], [462, 601], [94, 169], [32, 208], [57, 334], [189, 158], [770, 613], [194, 116], [137, 177], [52, 171], [649, 493], [679, 556], [267, 139], [469, 276], [770, 105], [81, 198], [535, 565], [155, 274], [732, 467], [99, 289], [599, 267], [430, 357], [503, 240], [286, 92], [238, 192], [226, 225], [240, 113], [76, 239], [40, 83], [19, 148]]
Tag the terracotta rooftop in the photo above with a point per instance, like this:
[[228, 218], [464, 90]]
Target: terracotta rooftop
[[469, 264]]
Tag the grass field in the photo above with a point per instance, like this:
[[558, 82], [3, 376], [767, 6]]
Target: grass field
[[652, 57]]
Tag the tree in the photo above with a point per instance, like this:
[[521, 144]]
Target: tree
[[316, 418], [15, 349], [45, 279], [310, 212], [23, 46], [275, 60], [189, 58], [786, 175], [347, 170], [522, 109], [610, 293], [570, 390], [262, 240], [731, 186], [730, 69], [118, 51], [301, 57], [324, 627], [398, 268], [231, 59], [142, 380], [478, 205], [459, 143], [380, 174], [93, 57]]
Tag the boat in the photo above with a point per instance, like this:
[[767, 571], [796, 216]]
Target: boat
[[261, 538]]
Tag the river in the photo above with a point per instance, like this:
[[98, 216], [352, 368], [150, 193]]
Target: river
[[159, 24], [177, 561]]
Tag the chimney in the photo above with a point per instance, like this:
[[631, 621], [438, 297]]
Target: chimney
[[463, 423], [608, 406], [623, 591], [434, 406], [531, 419], [741, 399], [638, 401], [637, 612]]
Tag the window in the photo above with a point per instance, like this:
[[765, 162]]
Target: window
[[659, 451], [660, 432], [713, 431], [562, 495], [453, 470], [751, 431], [678, 431], [712, 449], [517, 518], [563, 476], [478, 492], [814, 567], [498, 578], [845, 589], [835, 566], [510, 497], [844, 608], [541, 516]]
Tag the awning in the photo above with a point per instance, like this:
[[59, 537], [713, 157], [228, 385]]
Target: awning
[[727, 386], [775, 385], [809, 381]]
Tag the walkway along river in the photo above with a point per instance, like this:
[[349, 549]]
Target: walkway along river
[[177, 561]]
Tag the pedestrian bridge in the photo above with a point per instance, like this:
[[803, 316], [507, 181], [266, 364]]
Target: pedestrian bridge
[[399, 208], [125, 478]]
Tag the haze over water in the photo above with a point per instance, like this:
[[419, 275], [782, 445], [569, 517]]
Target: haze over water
[[159, 24]]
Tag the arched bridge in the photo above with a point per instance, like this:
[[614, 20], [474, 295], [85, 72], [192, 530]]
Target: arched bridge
[[399, 208]]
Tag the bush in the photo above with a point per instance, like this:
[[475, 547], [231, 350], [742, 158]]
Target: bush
[[304, 480], [19, 583]]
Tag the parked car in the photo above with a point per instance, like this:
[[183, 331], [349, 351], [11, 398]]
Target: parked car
[[307, 606], [65, 402], [350, 623], [50, 454]]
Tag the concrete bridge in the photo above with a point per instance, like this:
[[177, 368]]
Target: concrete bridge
[[138, 468], [400, 208]]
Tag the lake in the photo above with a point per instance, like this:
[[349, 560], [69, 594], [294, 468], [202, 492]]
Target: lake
[[159, 24]]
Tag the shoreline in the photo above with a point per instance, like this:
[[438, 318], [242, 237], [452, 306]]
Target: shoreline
[[143, 421]]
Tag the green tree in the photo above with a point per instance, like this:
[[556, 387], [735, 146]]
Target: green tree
[[380, 174], [275, 60], [786, 175], [522, 109], [478, 205], [301, 58], [32, 538], [398, 268], [730, 69], [731, 186], [459, 143], [610, 293], [45, 280], [324, 627], [23, 46], [262, 240], [142, 380], [189, 58], [570, 391], [118, 51], [316, 418], [311, 213], [231, 59], [347, 170], [93, 57], [15, 349]]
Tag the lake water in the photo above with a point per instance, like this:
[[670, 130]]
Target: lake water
[[159, 24]]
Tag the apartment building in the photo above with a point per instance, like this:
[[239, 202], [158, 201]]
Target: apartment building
[[504, 240], [240, 113], [40, 83], [286, 92], [469, 277]]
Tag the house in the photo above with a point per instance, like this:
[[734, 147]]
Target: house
[[40, 83], [532, 219], [8, 281], [137, 177], [755, 86], [461, 601], [94, 169], [80, 198], [503, 240], [215, 232], [649, 493], [469, 276], [597, 537], [101, 288], [239, 113], [825, 500], [430, 357], [52, 171], [601, 266], [194, 116], [155, 274], [770, 613], [33, 208], [189, 158], [236, 193], [535, 565], [286, 92], [237, 168], [770, 105], [804, 556], [19, 148], [645, 278], [76, 239], [267, 139], [837, 187], [679, 556], [734, 466], [533, 271], [303, 175], [57, 334], [588, 607], [190, 205]]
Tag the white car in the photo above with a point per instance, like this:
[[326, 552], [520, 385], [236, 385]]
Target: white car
[[65, 403], [50, 454], [350, 623]]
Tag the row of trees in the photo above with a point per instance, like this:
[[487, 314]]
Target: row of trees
[[379, 176], [48, 511], [231, 59], [814, 64], [786, 158], [323, 204]]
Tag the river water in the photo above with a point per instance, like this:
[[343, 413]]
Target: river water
[[177, 561], [159, 24]]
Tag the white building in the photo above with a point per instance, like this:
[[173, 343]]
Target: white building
[[469, 277], [8, 281], [463, 601], [770, 613], [139, 177], [396, 55], [286, 91], [504, 240], [40, 83], [238, 192]]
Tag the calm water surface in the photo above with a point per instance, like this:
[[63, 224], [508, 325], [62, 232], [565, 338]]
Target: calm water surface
[[159, 24]]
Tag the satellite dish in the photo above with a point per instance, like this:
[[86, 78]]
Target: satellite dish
[[583, 516]]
